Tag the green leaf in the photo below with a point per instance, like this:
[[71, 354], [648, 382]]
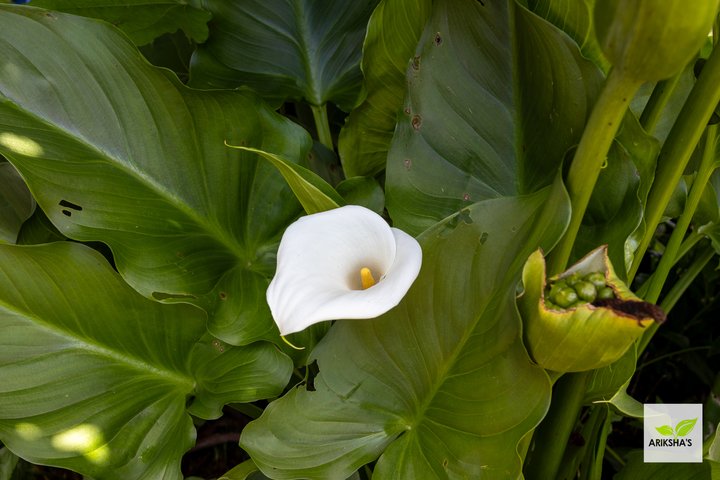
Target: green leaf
[[483, 119], [38, 229], [16, 201], [440, 386], [141, 20], [365, 138], [665, 430], [8, 464], [314, 194], [637, 469], [285, 49], [605, 384], [365, 191], [684, 427], [576, 19], [121, 152], [96, 378]]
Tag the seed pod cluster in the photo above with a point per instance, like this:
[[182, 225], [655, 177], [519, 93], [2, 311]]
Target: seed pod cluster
[[576, 289]]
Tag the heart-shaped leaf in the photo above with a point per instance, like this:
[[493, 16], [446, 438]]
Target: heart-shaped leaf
[[440, 386], [365, 138], [121, 152], [141, 20], [285, 49], [96, 378], [496, 96]]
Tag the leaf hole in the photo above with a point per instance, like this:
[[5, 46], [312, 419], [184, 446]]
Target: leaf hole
[[70, 205], [67, 213], [437, 40]]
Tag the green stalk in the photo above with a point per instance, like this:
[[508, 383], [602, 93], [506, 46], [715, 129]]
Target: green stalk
[[705, 170], [322, 125], [591, 154], [656, 103], [678, 148], [551, 436], [677, 290]]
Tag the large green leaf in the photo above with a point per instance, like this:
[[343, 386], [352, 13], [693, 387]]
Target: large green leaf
[[119, 151], [141, 20], [297, 49], [95, 377], [16, 202], [365, 139], [483, 119], [439, 387]]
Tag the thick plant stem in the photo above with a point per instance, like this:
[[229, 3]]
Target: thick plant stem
[[551, 436], [678, 148], [322, 125], [656, 103], [590, 156], [707, 166]]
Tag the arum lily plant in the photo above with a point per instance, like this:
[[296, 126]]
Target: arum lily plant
[[526, 155], [346, 263]]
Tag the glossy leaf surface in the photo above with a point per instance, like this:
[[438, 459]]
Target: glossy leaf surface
[[296, 49], [438, 387], [119, 151], [96, 378], [481, 119], [141, 20]]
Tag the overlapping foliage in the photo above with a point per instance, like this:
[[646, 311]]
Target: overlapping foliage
[[140, 217]]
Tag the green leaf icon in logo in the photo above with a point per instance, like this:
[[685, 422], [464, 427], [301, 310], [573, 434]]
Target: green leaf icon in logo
[[684, 427]]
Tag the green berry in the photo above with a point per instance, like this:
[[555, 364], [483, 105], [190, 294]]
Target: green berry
[[585, 291], [605, 293], [565, 297], [596, 278], [572, 279]]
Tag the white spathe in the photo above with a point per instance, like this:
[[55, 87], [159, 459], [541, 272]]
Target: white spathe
[[319, 262]]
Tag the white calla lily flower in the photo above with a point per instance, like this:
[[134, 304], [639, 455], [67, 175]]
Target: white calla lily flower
[[346, 263]]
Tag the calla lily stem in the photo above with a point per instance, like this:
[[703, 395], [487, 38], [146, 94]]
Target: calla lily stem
[[591, 154], [707, 167], [322, 125], [678, 148]]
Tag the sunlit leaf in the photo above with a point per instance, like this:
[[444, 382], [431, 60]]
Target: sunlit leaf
[[121, 152], [96, 378]]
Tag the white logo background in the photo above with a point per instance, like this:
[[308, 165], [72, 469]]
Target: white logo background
[[675, 448]]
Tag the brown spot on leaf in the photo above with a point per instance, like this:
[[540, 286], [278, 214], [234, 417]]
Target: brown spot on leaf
[[416, 122], [437, 40]]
